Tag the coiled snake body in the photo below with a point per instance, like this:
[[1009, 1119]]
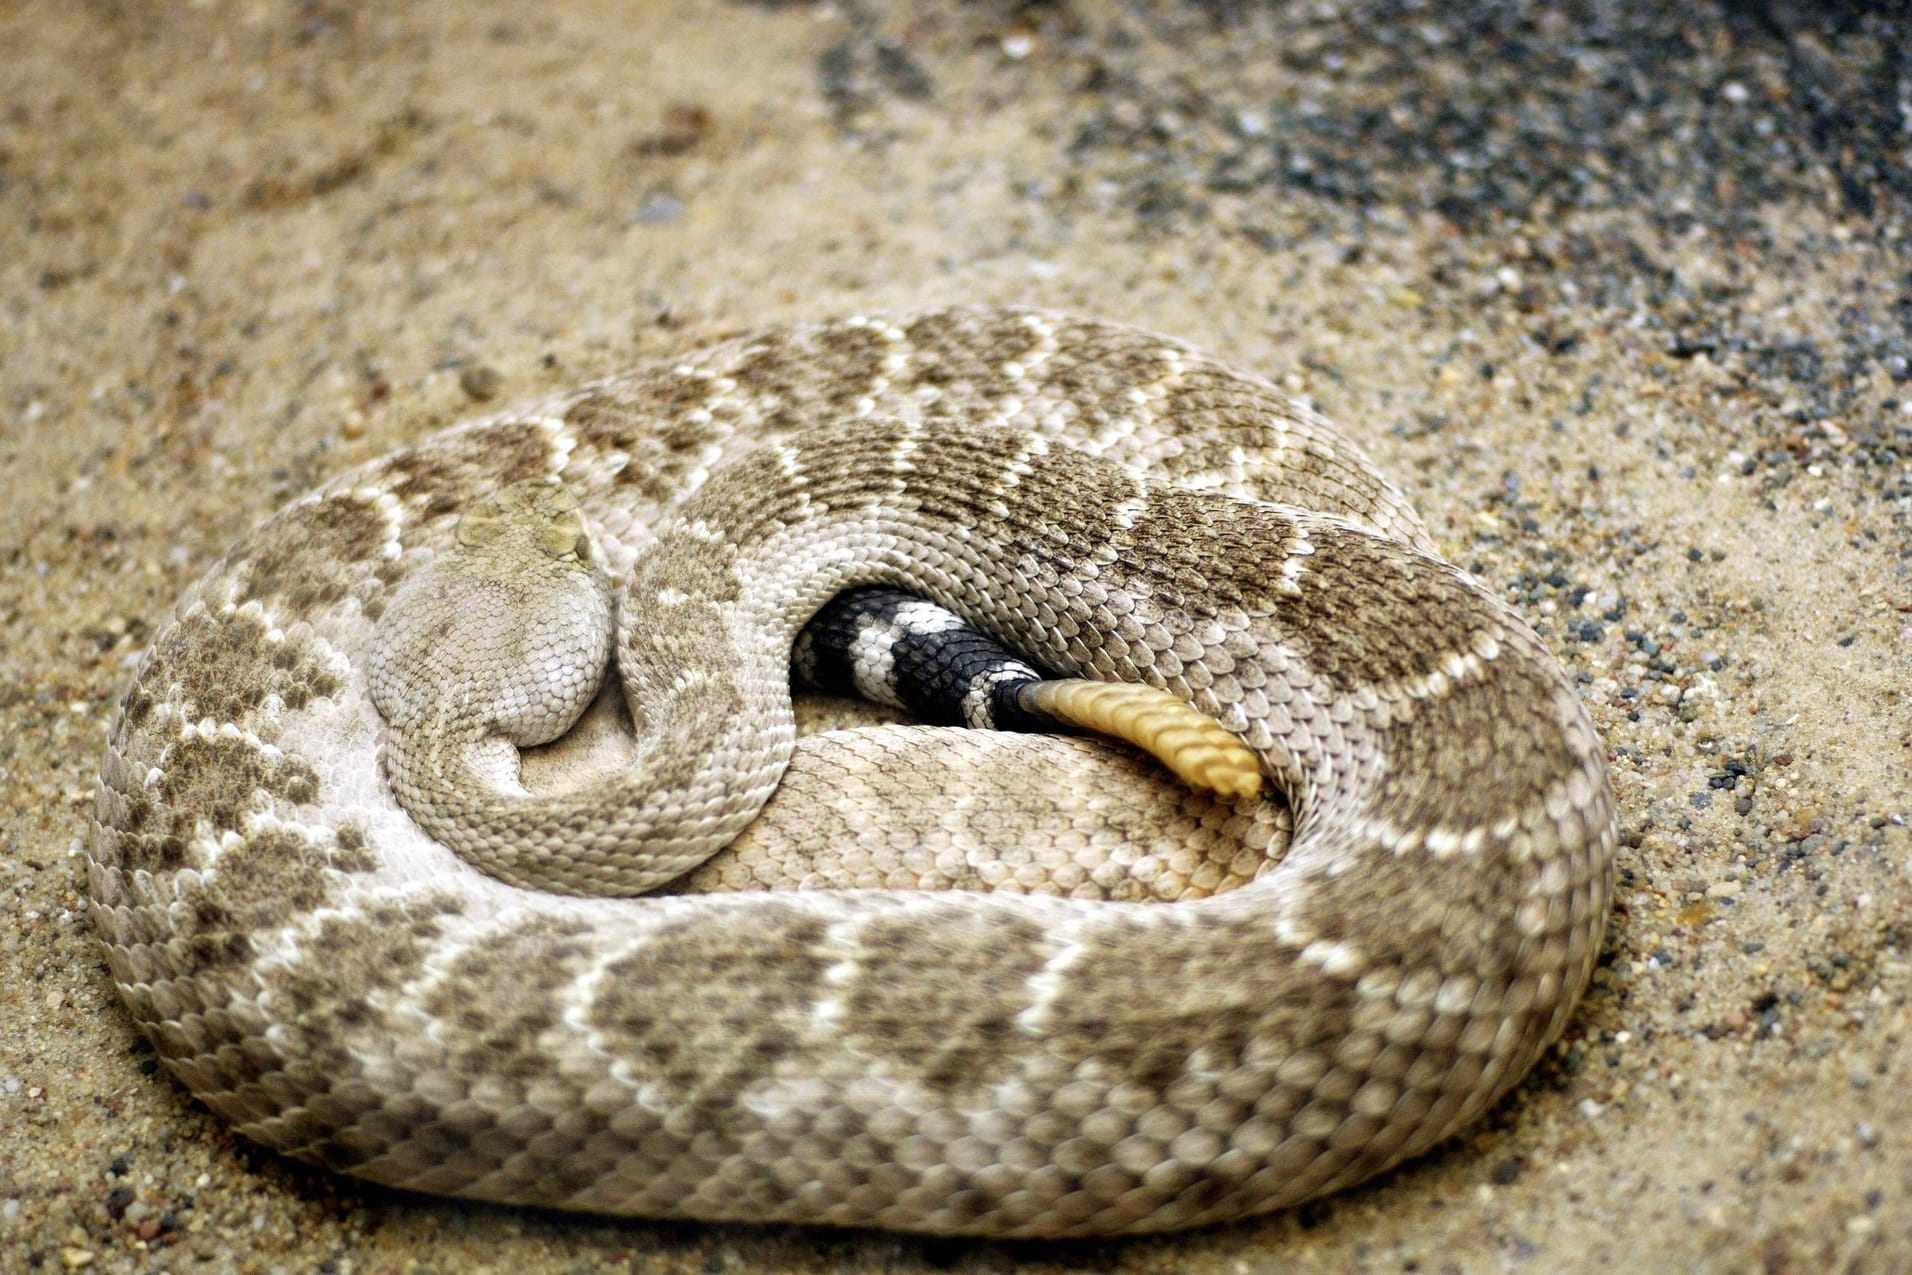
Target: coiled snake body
[[1125, 1009]]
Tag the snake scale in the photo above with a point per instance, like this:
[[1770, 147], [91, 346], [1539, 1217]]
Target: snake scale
[[1037, 988]]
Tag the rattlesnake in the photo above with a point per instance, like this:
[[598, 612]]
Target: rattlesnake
[[1135, 1013]]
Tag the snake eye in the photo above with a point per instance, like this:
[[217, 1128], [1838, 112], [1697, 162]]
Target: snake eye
[[564, 536], [481, 525]]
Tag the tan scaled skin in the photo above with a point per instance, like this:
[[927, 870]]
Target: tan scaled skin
[[1048, 1046], [482, 616]]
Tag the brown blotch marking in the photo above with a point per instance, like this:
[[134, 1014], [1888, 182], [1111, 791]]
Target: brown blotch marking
[[1478, 753], [354, 852], [784, 373], [955, 349], [1239, 549], [1218, 416], [667, 395], [773, 368], [859, 351], [656, 471], [220, 667], [1205, 399], [138, 810], [351, 959], [426, 481], [1090, 373], [602, 420], [1469, 935], [495, 1034], [952, 481], [215, 783], [334, 995], [660, 443], [1096, 367], [259, 884], [154, 848], [947, 1007], [432, 480], [708, 1019], [377, 590], [217, 667], [680, 438], [655, 431], [307, 557], [521, 971], [633, 417], [1350, 575], [1228, 991], [605, 421]]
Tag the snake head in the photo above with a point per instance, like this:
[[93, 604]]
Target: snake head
[[536, 513], [507, 632]]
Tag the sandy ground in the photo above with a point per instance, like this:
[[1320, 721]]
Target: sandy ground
[[1620, 291]]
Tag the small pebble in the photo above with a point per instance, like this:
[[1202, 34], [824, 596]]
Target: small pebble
[[659, 210], [481, 381]]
